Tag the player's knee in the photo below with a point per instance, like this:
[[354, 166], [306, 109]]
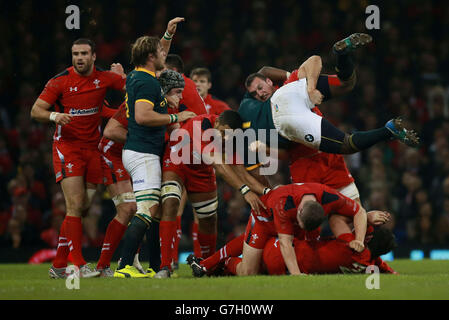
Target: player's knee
[[75, 204], [170, 207], [126, 210], [171, 193], [147, 201], [88, 198], [206, 209], [247, 270]]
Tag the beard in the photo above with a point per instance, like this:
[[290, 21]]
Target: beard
[[83, 69]]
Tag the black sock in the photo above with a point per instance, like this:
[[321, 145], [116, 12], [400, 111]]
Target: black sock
[[344, 65], [154, 246], [362, 140], [132, 240]]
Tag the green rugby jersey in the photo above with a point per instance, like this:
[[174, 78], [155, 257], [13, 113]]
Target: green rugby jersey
[[142, 85], [257, 115]]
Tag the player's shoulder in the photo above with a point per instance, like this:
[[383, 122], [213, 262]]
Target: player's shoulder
[[217, 101], [62, 74], [188, 82]]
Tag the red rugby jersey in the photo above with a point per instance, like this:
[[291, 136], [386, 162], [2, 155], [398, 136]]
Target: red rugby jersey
[[282, 205], [191, 100], [191, 134], [214, 105], [83, 98], [108, 146]]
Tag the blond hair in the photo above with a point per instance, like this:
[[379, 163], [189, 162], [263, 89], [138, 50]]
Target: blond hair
[[142, 48]]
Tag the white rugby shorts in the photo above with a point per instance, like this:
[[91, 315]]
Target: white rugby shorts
[[292, 114], [144, 169]]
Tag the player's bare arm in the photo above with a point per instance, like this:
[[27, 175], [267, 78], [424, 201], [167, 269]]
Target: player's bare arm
[[146, 116], [39, 112], [169, 33], [115, 131], [252, 182], [311, 69], [228, 174], [118, 69], [360, 222], [278, 76], [257, 146], [288, 253]]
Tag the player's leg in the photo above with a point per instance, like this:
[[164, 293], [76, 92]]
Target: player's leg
[[74, 190], [255, 239], [145, 171], [205, 205], [70, 168], [181, 208], [249, 264], [171, 192], [345, 66], [233, 248], [333, 140], [125, 204]]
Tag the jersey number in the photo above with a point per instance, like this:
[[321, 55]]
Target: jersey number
[[126, 106]]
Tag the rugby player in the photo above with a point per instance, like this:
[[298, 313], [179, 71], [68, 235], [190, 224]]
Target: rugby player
[[77, 94], [288, 110], [146, 111], [203, 81], [292, 210], [198, 179]]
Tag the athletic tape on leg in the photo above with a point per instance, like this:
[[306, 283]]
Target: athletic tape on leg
[[206, 208], [124, 198], [146, 199], [171, 189]]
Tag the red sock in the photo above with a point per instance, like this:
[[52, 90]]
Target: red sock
[[233, 248], [62, 252], [74, 233], [231, 265], [208, 243], [196, 244], [177, 238], [167, 234], [114, 234]]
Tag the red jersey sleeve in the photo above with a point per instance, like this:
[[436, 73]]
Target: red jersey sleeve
[[335, 202], [293, 77], [117, 82], [191, 99], [52, 91], [107, 111], [120, 115], [283, 215]]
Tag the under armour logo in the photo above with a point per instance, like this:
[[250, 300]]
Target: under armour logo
[[96, 83], [167, 162], [309, 138], [120, 172], [73, 89]]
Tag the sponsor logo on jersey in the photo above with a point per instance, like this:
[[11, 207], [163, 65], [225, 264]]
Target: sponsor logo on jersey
[[97, 83], [83, 112], [309, 138]]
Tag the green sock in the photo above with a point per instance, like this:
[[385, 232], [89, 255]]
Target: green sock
[[132, 240]]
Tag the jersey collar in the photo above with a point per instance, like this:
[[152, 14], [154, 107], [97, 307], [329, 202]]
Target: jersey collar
[[147, 71]]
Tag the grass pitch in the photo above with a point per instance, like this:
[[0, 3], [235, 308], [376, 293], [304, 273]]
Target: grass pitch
[[426, 279]]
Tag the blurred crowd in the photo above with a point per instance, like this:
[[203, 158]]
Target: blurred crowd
[[401, 73]]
